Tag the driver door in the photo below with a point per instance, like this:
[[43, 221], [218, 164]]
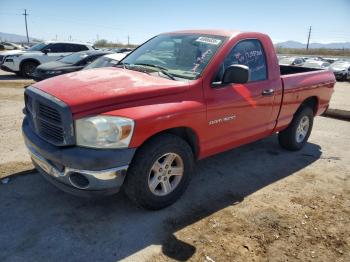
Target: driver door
[[239, 113]]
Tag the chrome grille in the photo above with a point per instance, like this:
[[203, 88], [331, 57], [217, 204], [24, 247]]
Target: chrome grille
[[49, 114], [50, 131], [49, 117]]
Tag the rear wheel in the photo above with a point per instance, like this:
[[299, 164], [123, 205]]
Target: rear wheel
[[297, 133], [27, 68], [159, 172]]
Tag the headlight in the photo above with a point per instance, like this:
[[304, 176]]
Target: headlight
[[13, 56], [104, 131]]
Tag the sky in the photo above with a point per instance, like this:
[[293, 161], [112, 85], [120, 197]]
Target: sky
[[83, 20]]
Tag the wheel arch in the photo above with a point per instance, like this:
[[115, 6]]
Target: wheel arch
[[186, 133], [312, 102], [28, 60]]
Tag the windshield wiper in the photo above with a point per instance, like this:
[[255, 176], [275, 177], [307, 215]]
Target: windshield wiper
[[161, 69]]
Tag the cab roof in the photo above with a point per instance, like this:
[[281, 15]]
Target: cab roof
[[218, 32]]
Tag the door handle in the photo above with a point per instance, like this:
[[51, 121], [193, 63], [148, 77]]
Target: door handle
[[268, 92]]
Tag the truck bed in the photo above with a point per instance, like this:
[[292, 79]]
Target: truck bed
[[300, 83], [288, 70]]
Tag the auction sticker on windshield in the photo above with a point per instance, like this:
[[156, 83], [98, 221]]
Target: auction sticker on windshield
[[208, 40]]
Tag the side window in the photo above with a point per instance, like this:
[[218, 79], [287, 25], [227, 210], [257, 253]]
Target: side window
[[70, 48], [250, 53], [56, 48], [83, 47], [79, 48]]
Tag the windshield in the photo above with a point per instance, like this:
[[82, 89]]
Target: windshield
[[180, 55], [102, 62], [73, 58], [37, 47]]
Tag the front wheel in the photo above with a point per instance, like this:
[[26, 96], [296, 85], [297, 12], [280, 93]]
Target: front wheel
[[28, 68], [159, 172], [297, 133]]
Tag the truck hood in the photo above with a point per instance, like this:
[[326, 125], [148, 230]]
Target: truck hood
[[98, 88]]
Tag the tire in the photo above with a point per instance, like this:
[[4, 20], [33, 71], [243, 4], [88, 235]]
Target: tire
[[293, 138], [27, 68], [143, 173]]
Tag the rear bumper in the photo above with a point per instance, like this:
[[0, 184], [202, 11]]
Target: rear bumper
[[77, 170]]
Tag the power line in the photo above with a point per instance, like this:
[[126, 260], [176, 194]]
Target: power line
[[25, 19]]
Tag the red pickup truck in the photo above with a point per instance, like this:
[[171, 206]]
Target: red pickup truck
[[179, 97]]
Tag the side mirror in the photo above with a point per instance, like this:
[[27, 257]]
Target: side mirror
[[46, 50], [239, 74]]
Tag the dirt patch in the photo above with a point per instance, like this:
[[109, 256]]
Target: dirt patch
[[287, 224], [307, 231], [15, 83], [16, 168], [11, 116]]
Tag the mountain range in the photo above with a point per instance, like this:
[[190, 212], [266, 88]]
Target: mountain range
[[298, 45], [14, 38]]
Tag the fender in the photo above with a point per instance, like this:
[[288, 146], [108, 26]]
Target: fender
[[29, 60]]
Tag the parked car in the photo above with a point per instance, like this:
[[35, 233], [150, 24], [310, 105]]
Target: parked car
[[67, 64], [295, 61], [330, 60], [10, 46], [316, 64], [24, 62], [180, 97], [106, 61], [341, 69], [122, 50]]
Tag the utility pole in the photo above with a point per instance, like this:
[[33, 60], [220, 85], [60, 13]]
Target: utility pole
[[25, 19], [308, 39], [128, 40]]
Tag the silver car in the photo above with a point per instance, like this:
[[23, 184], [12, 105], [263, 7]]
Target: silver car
[[341, 69]]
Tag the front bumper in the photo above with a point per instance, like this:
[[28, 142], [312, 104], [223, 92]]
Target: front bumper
[[340, 75], [10, 66], [38, 76], [76, 170], [5, 68]]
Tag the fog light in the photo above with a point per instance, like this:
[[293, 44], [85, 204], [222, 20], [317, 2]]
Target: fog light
[[78, 180]]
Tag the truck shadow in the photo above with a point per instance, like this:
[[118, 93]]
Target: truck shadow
[[40, 221], [10, 76]]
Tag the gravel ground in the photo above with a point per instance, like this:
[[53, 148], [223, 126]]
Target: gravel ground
[[254, 203]]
